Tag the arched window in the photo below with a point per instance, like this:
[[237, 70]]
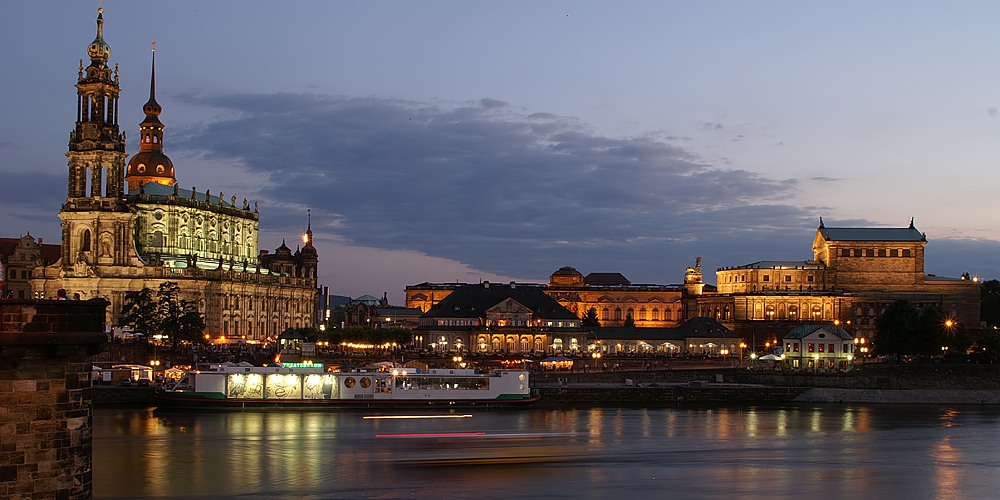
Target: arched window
[[85, 241], [656, 314], [642, 314], [605, 314], [618, 314], [668, 315]]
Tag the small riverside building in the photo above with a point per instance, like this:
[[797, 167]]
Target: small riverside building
[[819, 348]]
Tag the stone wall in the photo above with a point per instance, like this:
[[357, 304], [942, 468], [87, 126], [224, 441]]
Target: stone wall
[[45, 407]]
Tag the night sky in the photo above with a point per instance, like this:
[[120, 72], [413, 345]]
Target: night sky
[[467, 141]]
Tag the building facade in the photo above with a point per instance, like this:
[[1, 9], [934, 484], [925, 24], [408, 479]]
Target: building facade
[[854, 275], [497, 318], [818, 347], [611, 295], [115, 241], [18, 259]]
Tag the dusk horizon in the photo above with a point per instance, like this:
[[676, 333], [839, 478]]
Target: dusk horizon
[[629, 140]]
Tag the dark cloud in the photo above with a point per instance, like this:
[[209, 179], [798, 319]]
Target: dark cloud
[[504, 190]]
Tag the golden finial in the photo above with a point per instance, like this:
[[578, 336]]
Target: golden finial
[[154, 45], [100, 6]]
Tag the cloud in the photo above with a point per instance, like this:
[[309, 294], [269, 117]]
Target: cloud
[[504, 190]]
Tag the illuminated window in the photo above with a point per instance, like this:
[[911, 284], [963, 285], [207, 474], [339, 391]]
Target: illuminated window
[[767, 278], [820, 348], [812, 348], [656, 315], [788, 277]]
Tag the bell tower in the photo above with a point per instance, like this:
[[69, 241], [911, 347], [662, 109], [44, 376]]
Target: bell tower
[[96, 149], [96, 223]]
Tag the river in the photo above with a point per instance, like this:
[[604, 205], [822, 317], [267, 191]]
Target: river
[[821, 451]]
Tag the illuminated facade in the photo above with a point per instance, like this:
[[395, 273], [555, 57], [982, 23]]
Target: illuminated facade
[[490, 318], [114, 242], [855, 274], [818, 347], [613, 296]]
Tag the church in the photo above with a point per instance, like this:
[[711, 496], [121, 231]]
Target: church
[[126, 226]]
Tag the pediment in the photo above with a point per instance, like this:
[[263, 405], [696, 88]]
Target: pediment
[[509, 305]]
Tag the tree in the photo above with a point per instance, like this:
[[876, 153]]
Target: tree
[[990, 305], [139, 311], [895, 327], [167, 315], [189, 325], [904, 329], [629, 322], [590, 318]]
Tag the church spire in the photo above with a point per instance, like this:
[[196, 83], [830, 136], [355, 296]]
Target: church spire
[[96, 149], [150, 164], [152, 108]]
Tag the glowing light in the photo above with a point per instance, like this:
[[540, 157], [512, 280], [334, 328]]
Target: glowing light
[[444, 434], [400, 417]]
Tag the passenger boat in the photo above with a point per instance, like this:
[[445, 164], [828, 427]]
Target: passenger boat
[[310, 385]]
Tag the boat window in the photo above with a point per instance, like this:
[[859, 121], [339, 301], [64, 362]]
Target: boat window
[[349, 382], [366, 382]]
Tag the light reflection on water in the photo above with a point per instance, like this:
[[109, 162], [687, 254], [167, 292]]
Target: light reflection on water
[[590, 453]]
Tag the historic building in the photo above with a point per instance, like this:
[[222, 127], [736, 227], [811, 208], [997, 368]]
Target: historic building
[[488, 318], [818, 347], [18, 259], [611, 295], [115, 241], [854, 275]]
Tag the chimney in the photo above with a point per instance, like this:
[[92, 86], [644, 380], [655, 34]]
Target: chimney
[[486, 284], [512, 285]]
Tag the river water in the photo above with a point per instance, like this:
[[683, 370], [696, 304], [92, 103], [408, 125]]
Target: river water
[[912, 452]]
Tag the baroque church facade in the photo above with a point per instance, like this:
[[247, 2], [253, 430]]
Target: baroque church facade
[[142, 229]]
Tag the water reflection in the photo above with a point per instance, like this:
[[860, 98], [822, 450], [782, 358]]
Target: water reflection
[[590, 453]]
